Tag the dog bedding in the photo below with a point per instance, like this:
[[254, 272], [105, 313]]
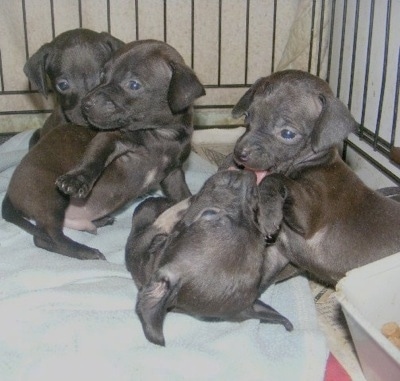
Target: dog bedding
[[65, 319]]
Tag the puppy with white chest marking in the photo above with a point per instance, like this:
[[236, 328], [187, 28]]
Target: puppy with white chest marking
[[204, 256], [73, 62], [142, 112], [331, 222]]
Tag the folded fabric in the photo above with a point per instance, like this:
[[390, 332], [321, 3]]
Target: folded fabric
[[65, 319]]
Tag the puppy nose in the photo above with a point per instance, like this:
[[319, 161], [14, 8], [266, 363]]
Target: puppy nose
[[87, 104], [243, 155]]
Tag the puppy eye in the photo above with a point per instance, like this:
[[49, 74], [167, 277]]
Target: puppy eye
[[209, 214], [134, 85], [288, 134], [62, 85]]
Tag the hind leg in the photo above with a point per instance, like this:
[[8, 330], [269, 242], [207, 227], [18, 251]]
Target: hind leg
[[104, 221], [266, 314], [50, 223], [61, 244]]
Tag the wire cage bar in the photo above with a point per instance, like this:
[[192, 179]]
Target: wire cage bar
[[352, 44]]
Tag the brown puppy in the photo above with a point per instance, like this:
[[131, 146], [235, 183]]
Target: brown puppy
[[203, 256], [145, 149], [72, 62], [332, 222]]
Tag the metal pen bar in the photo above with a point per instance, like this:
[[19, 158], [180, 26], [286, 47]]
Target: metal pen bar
[[396, 103], [53, 25], [310, 52], [108, 16], [384, 73], [353, 54], [321, 34], [333, 10], [341, 51], [1, 75], [246, 54], [368, 61], [273, 37]]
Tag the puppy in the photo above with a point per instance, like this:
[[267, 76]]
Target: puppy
[[72, 62], [332, 222], [202, 257], [150, 137]]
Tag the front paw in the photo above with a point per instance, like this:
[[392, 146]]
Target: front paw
[[270, 220], [273, 195], [75, 185]]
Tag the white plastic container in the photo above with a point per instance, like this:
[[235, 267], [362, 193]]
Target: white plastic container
[[370, 297]]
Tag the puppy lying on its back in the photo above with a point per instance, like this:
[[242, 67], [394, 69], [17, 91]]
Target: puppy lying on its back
[[73, 62], [203, 257], [146, 99]]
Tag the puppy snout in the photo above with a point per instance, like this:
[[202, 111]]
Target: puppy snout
[[110, 106], [87, 104], [243, 155]]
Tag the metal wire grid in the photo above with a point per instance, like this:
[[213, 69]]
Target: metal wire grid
[[370, 132]]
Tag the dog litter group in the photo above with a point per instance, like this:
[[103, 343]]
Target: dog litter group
[[281, 204]]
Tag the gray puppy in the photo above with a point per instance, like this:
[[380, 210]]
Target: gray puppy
[[203, 257], [146, 100], [332, 222], [72, 62]]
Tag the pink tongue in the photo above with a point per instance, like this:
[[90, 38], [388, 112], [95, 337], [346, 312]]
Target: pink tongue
[[260, 175]]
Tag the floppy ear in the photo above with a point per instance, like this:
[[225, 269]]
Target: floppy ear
[[148, 211], [334, 124], [112, 42], [245, 101], [250, 200], [184, 88], [153, 303], [35, 68]]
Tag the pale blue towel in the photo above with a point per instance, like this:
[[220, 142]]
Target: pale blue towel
[[65, 319]]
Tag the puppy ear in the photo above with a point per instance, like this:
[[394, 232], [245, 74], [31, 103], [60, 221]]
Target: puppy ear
[[112, 42], [334, 124], [153, 303], [35, 68], [148, 211], [246, 100], [184, 88], [250, 200]]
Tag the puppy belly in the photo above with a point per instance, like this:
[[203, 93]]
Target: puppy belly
[[79, 217]]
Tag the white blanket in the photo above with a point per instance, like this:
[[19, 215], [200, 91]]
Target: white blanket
[[66, 319]]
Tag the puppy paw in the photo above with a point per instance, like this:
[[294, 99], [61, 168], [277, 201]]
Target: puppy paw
[[88, 253], [271, 226], [93, 255], [75, 185], [272, 199]]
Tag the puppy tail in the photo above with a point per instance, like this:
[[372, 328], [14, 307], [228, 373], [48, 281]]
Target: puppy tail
[[13, 215]]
